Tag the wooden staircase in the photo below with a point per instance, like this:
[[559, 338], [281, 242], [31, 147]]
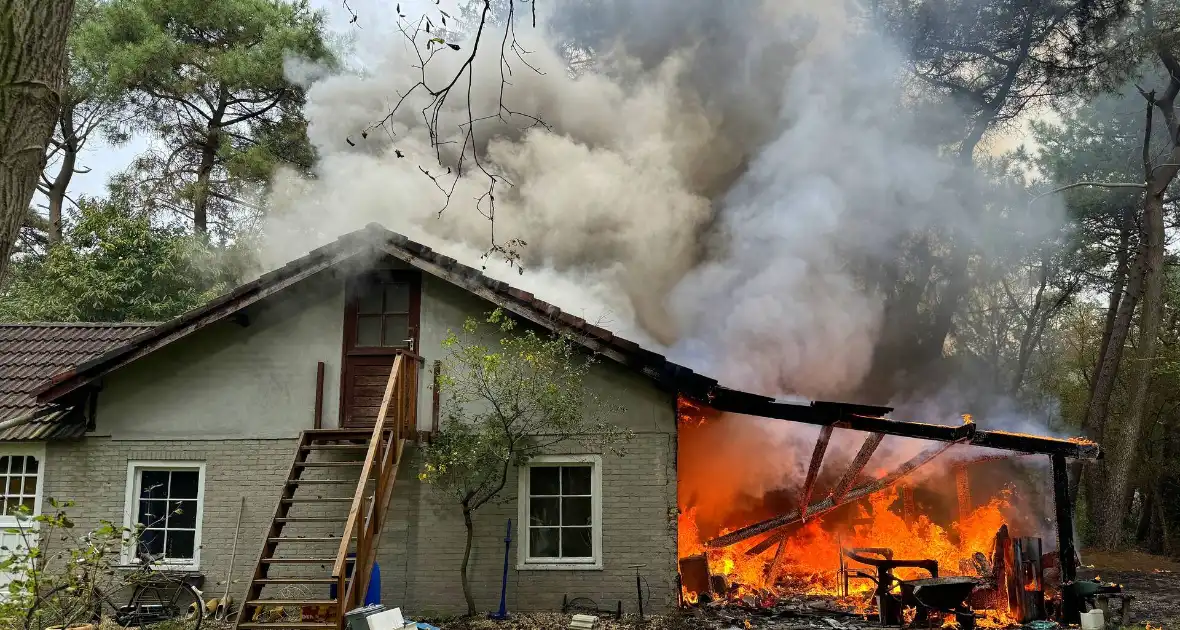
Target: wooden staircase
[[328, 519]]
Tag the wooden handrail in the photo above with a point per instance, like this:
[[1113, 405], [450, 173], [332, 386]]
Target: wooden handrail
[[383, 457]]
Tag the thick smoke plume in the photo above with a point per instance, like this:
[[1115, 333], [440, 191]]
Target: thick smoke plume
[[717, 182]]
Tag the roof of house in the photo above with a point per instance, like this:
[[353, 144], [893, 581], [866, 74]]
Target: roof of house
[[33, 352], [666, 374]]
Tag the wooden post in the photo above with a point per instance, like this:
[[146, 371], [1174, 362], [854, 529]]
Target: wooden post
[[319, 396], [963, 488], [1066, 553], [908, 512]]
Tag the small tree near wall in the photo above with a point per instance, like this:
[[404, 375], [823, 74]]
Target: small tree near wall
[[504, 402]]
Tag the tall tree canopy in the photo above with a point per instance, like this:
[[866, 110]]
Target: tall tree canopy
[[207, 79]]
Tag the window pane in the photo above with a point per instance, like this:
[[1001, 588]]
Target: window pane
[[180, 544], [575, 542], [30, 485], [544, 511], [397, 330], [544, 480], [575, 480], [28, 503], [153, 484], [369, 302], [30, 465], [368, 331], [152, 541], [575, 511], [397, 298], [152, 513], [543, 542], [18, 464], [3, 464], [182, 514], [14, 486], [3, 485], [184, 484]]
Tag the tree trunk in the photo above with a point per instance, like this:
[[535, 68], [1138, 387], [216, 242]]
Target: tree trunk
[[204, 171], [466, 557], [65, 173], [32, 58], [1102, 384], [1112, 506]]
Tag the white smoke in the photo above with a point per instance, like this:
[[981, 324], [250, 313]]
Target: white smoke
[[708, 186]]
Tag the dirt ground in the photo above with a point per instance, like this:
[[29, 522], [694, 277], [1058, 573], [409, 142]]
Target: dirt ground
[[1154, 580]]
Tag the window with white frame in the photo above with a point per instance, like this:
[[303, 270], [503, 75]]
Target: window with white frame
[[164, 503], [20, 477], [561, 513]]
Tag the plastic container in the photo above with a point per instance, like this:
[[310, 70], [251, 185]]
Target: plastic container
[[1093, 620], [358, 618]]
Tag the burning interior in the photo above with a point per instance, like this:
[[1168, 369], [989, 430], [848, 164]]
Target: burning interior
[[899, 522]]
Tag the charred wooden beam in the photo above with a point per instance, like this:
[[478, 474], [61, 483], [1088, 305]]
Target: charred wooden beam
[[817, 460], [908, 511], [1066, 553], [857, 466], [963, 492], [829, 503], [776, 564], [872, 420]]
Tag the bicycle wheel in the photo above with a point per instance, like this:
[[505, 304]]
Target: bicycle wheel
[[157, 604], [64, 607]]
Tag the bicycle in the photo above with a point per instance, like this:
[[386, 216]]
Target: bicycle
[[157, 599]]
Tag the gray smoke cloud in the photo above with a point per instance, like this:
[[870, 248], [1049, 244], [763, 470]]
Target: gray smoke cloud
[[714, 184]]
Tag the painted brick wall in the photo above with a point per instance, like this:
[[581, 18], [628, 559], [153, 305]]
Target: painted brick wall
[[93, 474], [422, 546]]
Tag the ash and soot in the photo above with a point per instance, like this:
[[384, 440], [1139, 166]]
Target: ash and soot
[[741, 186]]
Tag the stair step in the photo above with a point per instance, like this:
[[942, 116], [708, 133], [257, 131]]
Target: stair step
[[339, 434], [329, 464], [316, 482], [319, 500], [304, 560], [305, 539], [275, 625], [295, 580], [312, 519], [315, 446], [291, 602]]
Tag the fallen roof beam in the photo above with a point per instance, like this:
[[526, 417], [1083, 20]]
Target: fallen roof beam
[[829, 503], [857, 466], [870, 419], [817, 460]]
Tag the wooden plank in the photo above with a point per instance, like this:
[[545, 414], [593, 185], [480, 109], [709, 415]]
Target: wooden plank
[[858, 464], [817, 459]]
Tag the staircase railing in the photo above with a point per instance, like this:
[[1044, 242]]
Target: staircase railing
[[366, 516]]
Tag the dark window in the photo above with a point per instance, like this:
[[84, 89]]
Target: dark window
[[166, 511], [561, 514]]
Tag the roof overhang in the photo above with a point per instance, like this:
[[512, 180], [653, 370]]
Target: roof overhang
[[667, 375]]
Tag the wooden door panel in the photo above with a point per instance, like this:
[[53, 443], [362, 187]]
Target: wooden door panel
[[390, 301]]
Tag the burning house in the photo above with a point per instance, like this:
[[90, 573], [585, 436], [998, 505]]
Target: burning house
[[951, 523]]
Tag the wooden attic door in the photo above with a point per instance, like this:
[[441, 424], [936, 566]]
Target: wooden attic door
[[381, 317]]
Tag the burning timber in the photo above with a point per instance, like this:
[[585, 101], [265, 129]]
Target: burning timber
[[882, 544]]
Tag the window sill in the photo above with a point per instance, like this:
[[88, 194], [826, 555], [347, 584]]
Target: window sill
[[559, 566]]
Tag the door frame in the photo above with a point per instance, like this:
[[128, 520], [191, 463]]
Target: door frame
[[347, 350]]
